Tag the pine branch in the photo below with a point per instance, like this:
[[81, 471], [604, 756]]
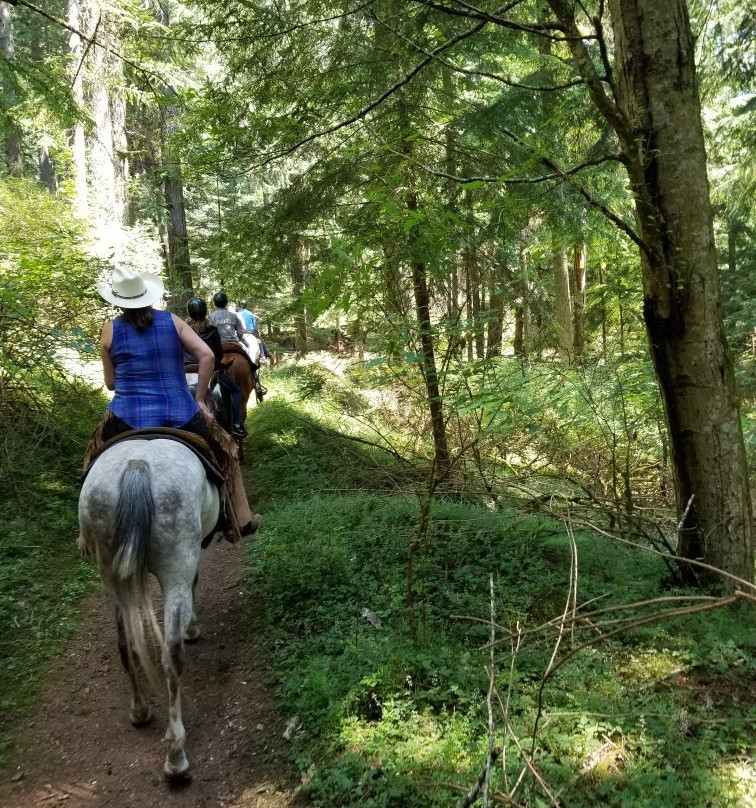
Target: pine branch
[[607, 158], [368, 108], [92, 41], [475, 13]]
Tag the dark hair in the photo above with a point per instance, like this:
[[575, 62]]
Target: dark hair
[[197, 308], [141, 319], [220, 299], [243, 304]]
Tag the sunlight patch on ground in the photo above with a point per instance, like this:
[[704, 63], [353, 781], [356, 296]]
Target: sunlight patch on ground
[[264, 795], [414, 738], [739, 777], [651, 665]]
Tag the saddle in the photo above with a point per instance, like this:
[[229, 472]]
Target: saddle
[[198, 445], [237, 348]]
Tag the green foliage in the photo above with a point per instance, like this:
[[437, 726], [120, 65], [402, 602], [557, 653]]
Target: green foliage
[[45, 421], [41, 578], [656, 716], [46, 277]]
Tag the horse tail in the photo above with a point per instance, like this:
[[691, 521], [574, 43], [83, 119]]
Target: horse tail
[[134, 516]]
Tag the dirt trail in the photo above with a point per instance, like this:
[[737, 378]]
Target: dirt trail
[[80, 750]]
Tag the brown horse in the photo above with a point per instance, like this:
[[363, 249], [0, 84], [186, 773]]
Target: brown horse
[[239, 367]]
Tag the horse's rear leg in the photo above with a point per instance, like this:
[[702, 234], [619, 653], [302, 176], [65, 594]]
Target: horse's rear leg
[[140, 713], [178, 614], [192, 632]]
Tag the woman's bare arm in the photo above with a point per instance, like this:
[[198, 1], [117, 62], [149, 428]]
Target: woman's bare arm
[[194, 345], [108, 370]]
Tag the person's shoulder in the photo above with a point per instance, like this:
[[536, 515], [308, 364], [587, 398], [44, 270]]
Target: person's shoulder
[[106, 335]]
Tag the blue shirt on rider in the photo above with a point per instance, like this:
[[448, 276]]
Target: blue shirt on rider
[[250, 321], [150, 385]]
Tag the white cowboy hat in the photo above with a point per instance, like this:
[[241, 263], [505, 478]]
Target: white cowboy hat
[[129, 290]]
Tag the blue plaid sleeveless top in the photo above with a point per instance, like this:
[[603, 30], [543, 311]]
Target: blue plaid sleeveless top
[[150, 386]]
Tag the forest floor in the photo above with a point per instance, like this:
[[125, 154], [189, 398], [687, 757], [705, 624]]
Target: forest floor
[[80, 751]]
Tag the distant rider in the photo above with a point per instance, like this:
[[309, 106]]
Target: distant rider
[[199, 322]]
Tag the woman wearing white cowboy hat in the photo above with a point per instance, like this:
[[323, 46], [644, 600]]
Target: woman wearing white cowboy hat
[[142, 354]]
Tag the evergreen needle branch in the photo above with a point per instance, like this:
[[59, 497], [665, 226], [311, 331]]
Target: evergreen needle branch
[[258, 36], [481, 73], [92, 41], [475, 13], [620, 223], [607, 158], [86, 51], [368, 108]]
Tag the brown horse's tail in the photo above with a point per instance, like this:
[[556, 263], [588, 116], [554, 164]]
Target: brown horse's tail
[[134, 516]]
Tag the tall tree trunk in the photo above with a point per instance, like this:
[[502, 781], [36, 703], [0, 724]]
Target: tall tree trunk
[[562, 301], [578, 300], [102, 191], [46, 172], [657, 118], [13, 153], [422, 300], [179, 265], [46, 169], [496, 309], [467, 269], [76, 49], [430, 372], [523, 328], [603, 312], [298, 258], [477, 301], [121, 167]]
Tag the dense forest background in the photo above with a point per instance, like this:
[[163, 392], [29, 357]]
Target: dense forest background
[[526, 232], [444, 189]]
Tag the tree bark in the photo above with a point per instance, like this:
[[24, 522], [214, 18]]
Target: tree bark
[[496, 310], [578, 300], [430, 372], [46, 169], [179, 265], [13, 153], [656, 114], [562, 301], [299, 256], [75, 19], [523, 336]]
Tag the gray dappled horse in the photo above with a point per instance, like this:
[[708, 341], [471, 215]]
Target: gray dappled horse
[[145, 506]]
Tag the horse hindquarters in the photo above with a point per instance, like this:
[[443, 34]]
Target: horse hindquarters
[[146, 505]]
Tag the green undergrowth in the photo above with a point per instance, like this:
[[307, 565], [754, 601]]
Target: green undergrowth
[[391, 700], [42, 579]]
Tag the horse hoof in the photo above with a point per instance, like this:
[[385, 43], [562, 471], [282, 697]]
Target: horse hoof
[[193, 633], [140, 717], [176, 772]]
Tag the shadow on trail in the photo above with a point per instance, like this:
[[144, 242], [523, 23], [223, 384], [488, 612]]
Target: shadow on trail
[[80, 749]]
